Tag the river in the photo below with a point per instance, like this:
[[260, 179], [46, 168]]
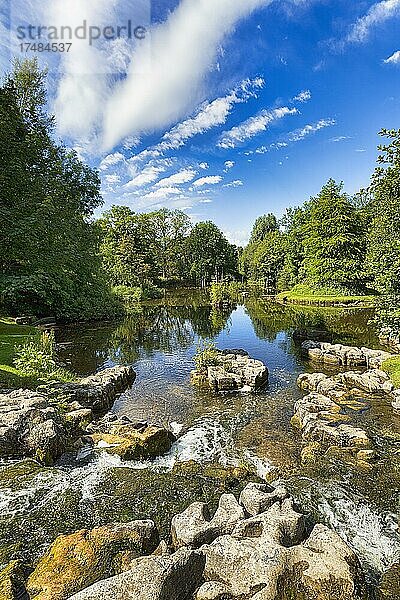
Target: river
[[85, 489]]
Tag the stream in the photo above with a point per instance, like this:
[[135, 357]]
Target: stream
[[250, 431]]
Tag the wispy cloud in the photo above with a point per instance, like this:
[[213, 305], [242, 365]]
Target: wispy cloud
[[304, 96], [183, 176], [300, 134], [377, 14], [229, 164], [211, 180], [394, 59], [111, 160], [253, 126], [234, 184]]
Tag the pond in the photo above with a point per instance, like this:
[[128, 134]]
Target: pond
[[217, 432]]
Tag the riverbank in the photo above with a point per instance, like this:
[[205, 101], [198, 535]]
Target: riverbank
[[304, 295], [12, 335]]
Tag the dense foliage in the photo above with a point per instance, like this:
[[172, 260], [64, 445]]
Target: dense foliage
[[49, 261]]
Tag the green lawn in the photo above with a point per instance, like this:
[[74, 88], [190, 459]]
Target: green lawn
[[302, 294], [392, 367], [12, 335]]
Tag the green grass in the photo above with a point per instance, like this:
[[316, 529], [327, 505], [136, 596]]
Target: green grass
[[392, 367], [304, 294], [12, 335]]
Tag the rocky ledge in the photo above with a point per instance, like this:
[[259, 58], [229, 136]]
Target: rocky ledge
[[324, 415], [348, 356], [234, 370], [259, 547], [41, 424]]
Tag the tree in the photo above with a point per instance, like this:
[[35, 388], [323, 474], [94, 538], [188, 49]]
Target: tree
[[51, 261], [171, 228], [334, 241], [263, 227], [263, 260], [383, 257], [209, 255]]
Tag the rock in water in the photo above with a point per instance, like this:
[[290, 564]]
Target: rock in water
[[75, 561], [234, 371], [173, 577]]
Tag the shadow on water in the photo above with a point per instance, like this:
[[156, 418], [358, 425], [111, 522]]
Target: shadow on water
[[159, 339]]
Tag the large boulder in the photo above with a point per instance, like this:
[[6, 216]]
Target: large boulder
[[337, 354], [12, 582], [75, 561], [195, 526], [258, 497], [174, 577]]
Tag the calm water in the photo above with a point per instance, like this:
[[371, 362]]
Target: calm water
[[160, 340]]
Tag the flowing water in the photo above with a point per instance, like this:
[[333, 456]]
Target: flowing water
[[216, 431]]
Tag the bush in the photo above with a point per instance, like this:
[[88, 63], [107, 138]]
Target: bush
[[37, 359], [224, 293], [206, 355]]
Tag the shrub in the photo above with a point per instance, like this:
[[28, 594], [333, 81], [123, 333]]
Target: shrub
[[37, 358], [206, 355]]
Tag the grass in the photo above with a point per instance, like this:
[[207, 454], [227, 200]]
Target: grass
[[303, 294], [392, 367], [12, 335]]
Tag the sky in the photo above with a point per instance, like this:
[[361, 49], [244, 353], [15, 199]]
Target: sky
[[226, 109]]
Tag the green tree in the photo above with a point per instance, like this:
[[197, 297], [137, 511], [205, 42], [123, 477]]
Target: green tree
[[209, 255], [383, 257], [171, 227], [263, 227], [334, 241], [51, 262]]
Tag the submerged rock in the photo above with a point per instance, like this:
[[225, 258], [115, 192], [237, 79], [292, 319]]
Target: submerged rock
[[75, 561], [234, 371], [130, 444]]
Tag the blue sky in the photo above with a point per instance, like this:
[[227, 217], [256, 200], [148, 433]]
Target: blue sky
[[233, 108]]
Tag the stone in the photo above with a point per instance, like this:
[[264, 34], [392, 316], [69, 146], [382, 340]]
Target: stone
[[75, 561], [46, 441], [344, 355], [235, 371], [131, 443], [194, 526], [256, 498], [213, 590], [310, 453], [389, 585], [271, 556], [12, 582], [174, 577]]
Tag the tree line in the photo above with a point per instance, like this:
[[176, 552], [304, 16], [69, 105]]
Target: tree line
[[57, 259]]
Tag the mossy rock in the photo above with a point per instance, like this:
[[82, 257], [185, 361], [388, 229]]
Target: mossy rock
[[131, 445], [311, 453], [389, 587], [12, 581], [78, 560]]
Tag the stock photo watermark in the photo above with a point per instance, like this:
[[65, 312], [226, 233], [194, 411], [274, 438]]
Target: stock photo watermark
[[52, 38]]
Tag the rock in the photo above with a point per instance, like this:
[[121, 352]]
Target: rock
[[373, 381], [195, 527], [130, 443], [389, 586], [310, 453], [234, 371], [344, 355], [271, 556], [36, 423], [258, 497], [173, 577], [97, 392], [12, 582], [213, 590], [75, 561]]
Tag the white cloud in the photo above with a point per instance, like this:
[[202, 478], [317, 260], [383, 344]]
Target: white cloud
[[304, 96], [234, 184], [253, 126], [110, 160], [184, 49], [183, 176], [394, 59], [204, 166], [112, 178], [300, 134], [149, 174], [211, 180], [340, 138], [377, 14], [161, 193], [210, 115], [229, 164]]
